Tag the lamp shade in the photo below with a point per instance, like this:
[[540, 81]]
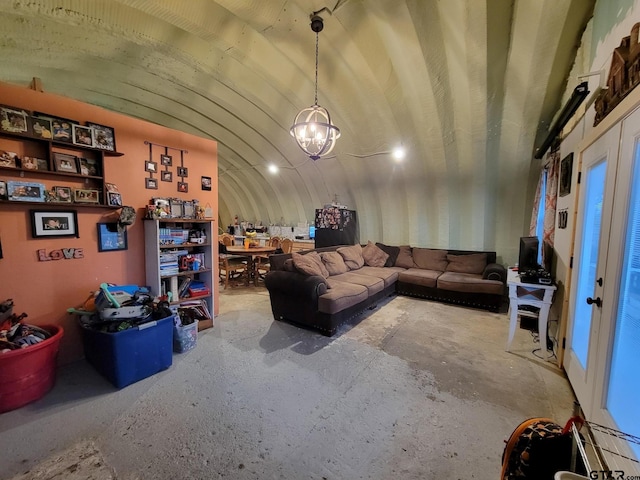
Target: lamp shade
[[314, 132]]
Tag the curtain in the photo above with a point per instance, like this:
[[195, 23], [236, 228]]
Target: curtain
[[550, 175]]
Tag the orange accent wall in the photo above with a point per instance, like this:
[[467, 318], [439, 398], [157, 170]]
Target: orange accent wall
[[44, 290]]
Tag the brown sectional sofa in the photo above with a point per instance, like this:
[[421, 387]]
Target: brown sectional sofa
[[305, 292]]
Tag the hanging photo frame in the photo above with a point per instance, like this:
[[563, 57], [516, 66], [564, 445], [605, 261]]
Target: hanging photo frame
[[566, 167]]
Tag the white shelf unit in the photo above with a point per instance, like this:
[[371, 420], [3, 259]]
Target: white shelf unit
[[154, 248]]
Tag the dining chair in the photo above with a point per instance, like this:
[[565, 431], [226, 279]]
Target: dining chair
[[286, 245], [227, 239], [232, 268]]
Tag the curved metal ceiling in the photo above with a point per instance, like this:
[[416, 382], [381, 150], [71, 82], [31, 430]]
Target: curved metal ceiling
[[464, 85]]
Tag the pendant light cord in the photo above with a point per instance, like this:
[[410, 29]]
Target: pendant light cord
[[316, 98]]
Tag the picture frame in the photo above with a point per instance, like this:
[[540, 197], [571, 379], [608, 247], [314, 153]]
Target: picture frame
[[25, 191], [183, 172], [166, 176], [166, 160], [62, 194], [9, 159], [183, 187], [14, 120], [162, 206], [104, 137], [40, 127], [150, 166], [110, 238], [43, 164], [82, 136], [111, 187], [65, 163], [189, 209], [29, 163], [566, 168], [151, 183], [206, 183], [3, 190], [88, 167], [54, 223], [81, 195], [114, 199], [176, 208], [61, 130]]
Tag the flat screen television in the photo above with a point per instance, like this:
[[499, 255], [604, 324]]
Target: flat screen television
[[528, 255]]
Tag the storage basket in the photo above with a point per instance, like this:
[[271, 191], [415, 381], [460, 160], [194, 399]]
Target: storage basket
[[185, 337], [28, 373]]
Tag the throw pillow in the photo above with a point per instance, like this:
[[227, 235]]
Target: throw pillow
[[352, 256], [405, 258], [311, 264], [334, 263], [430, 259], [391, 251], [289, 266], [374, 256], [472, 263]]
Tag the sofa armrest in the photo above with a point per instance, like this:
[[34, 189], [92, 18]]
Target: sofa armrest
[[296, 284], [495, 271]]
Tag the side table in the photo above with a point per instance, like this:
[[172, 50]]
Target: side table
[[534, 295]]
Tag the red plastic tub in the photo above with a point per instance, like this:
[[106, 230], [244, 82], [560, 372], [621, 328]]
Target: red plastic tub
[[27, 374]]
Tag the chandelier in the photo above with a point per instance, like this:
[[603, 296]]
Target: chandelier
[[312, 127]]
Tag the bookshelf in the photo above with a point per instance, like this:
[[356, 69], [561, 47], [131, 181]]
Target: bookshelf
[[177, 264]]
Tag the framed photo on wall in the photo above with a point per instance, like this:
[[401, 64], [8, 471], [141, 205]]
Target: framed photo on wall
[[151, 183], [25, 191], [110, 238], [65, 163], [13, 120], [183, 172], [54, 223], [114, 199], [566, 167], [40, 127], [166, 176], [166, 160], [63, 194], [206, 183], [81, 195]]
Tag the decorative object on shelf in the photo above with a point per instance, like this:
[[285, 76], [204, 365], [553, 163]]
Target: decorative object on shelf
[[13, 120], [65, 163], [183, 187], [25, 191], [88, 166], [206, 183], [29, 163], [61, 130], [111, 187], [151, 183], [566, 167], [183, 172], [3, 190], [166, 176], [114, 199], [176, 208], [9, 159], [161, 208], [81, 195], [312, 127], [62, 194], [104, 137], [40, 127], [166, 160], [200, 215], [111, 238], [54, 223], [82, 135], [189, 208]]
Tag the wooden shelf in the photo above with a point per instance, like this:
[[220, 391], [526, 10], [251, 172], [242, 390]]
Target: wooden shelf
[[186, 273], [181, 220], [184, 245], [60, 204], [59, 144]]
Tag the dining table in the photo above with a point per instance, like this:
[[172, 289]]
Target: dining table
[[251, 253]]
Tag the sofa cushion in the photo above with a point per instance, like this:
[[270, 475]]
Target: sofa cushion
[[430, 259], [420, 276], [374, 256], [405, 258], [352, 256], [342, 295], [469, 283], [472, 263], [391, 251], [373, 284], [310, 264], [334, 263], [388, 274], [289, 266]]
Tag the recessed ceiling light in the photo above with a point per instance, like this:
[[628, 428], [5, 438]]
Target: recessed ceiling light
[[273, 169], [398, 153]]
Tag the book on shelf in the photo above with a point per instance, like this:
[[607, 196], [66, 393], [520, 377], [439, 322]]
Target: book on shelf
[[197, 308]]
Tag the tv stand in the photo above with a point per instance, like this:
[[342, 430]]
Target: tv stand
[[523, 294]]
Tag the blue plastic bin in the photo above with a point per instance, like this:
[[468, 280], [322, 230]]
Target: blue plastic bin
[[131, 355]]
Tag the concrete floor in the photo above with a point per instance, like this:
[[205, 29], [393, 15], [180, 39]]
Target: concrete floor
[[415, 390]]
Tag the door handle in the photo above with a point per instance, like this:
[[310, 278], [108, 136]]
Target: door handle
[[597, 301]]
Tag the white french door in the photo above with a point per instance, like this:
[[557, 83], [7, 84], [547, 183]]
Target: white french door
[[604, 334], [590, 252]]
